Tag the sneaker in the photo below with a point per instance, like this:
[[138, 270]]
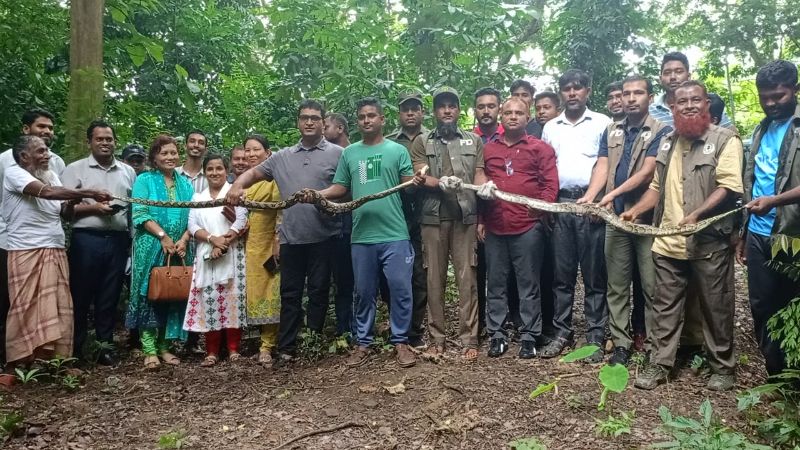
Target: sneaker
[[527, 350], [651, 377], [555, 347], [721, 382], [358, 356], [282, 360], [497, 347], [416, 343], [597, 356], [405, 357], [621, 355]]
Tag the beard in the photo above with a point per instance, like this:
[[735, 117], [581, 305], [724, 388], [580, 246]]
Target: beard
[[783, 110], [46, 176], [446, 130], [692, 127]]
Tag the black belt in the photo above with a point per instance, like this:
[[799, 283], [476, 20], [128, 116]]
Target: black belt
[[102, 233], [573, 193]]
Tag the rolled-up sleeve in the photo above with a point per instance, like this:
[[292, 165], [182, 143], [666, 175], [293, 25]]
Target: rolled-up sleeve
[[729, 166], [240, 222]]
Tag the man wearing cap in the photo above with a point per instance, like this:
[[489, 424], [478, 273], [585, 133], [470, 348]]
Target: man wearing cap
[[411, 116], [134, 156], [449, 217], [100, 240]]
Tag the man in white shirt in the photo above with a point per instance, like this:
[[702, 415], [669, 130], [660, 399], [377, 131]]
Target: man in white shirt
[[35, 122], [578, 240]]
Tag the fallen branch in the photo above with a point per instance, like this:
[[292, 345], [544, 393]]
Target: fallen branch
[[453, 388], [320, 431]]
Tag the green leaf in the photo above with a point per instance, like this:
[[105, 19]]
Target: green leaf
[[541, 389], [181, 71], [579, 353], [706, 411], [137, 53], [117, 14], [614, 377], [156, 51]]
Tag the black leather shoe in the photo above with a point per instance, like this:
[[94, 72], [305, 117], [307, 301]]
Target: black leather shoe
[[107, 359], [527, 350], [621, 355], [497, 347]]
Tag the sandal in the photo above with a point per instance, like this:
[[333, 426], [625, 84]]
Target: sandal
[[265, 357], [234, 356], [170, 359], [470, 354], [151, 362], [209, 361]]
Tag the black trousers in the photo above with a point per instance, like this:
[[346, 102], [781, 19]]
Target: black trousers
[[303, 265], [342, 266], [4, 303], [769, 291], [96, 272]]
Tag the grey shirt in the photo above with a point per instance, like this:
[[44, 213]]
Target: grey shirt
[[118, 179], [295, 168]]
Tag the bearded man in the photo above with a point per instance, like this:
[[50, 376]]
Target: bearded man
[[698, 175], [39, 323]]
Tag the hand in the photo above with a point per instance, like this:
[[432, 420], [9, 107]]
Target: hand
[[216, 253], [606, 201], [629, 215], [741, 252], [234, 196], [180, 248], [450, 184], [486, 191], [102, 196], [103, 209], [167, 246], [218, 242], [761, 205], [691, 219], [419, 177], [480, 231], [229, 213], [584, 199], [276, 249]]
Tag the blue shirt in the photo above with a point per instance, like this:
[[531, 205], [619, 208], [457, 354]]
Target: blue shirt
[[621, 175], [766, 166]]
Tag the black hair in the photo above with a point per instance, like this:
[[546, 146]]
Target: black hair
[[196, 131], [340, 120], [488, 91], [634, 78], [260, 138], [777, 73], [688, 84], [310, 103], [21, 144], [30, 116], [555, 98], [213, 157], [675, 56], [577, 76], [611, 87], [98, 124], [717, 106], [522, 84], [369, 101]]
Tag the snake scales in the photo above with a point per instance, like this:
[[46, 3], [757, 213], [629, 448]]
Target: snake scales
[[329, 207]]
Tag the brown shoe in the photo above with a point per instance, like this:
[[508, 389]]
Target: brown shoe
[[405, 357], [358, 356]]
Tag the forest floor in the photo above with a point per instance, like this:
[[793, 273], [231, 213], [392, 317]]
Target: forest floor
[[447, 405]]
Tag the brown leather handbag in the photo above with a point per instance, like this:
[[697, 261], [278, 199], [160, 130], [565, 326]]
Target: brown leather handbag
[[170, 283]]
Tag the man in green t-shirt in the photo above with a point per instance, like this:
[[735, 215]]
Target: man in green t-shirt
[[380, 237]]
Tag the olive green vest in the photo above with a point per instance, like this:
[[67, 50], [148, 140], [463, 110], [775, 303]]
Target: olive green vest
[[699, 181], [463, 152], [616, 147], [787, 217]]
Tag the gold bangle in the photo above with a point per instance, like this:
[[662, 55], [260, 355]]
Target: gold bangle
[[41, 189]]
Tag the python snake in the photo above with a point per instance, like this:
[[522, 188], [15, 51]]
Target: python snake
[[329, 207]]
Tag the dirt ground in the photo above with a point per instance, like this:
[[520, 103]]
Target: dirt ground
[[449, 405]]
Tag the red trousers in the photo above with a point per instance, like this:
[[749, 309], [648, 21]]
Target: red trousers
[[214, 340]]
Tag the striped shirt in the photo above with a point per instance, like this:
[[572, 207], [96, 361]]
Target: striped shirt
[[660, 111], [199, 181]]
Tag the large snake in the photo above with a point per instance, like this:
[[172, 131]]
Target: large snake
[[329, 207]]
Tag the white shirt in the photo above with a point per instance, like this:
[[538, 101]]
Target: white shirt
[[118, 179], [6, 161], [576, 145], [32, 222]]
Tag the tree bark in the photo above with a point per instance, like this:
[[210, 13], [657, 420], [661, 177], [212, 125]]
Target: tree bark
[[86, 90]]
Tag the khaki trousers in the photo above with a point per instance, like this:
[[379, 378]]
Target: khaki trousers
[[451, 239], [714, 278]]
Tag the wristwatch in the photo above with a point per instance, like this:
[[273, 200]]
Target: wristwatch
[[161, 235]]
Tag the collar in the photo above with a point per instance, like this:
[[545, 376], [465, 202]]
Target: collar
[[435, 133], [562, 118], [500, 130], [93, 163], [523, 138], [184, 173], [794, 118], [323, 144], [399, 132]]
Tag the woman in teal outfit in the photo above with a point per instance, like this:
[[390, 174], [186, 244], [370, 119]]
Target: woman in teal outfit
[[159, 231]]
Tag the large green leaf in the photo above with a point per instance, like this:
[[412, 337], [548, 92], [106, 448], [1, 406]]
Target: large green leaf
[[579, 353], [614, 377]]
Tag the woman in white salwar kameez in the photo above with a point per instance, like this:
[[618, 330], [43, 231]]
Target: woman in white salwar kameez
[[217, 299]]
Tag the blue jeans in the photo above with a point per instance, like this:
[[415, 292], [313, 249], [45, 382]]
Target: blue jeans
[[396, 261]]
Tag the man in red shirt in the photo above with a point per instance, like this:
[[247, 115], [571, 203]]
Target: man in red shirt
[[513, 235]]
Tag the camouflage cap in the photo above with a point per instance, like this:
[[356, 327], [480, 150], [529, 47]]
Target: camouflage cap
[[410, 96], [445, 90]]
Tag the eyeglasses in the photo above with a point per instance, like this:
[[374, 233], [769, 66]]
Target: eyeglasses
[[304, 118]]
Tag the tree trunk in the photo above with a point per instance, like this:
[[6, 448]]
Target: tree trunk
[[86, 90]]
